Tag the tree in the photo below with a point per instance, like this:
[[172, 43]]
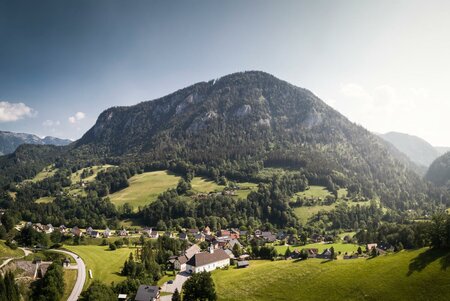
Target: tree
[[176, 296], [51, 287], [199, 287], [112, 246], [183, 186], [333, 254], [9, 291], [287, 253], [359, 251], [98, 291]]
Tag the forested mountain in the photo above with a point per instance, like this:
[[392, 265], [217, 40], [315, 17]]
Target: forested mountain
[[234, 127], [418, 150], [10, 141], [439, 171]]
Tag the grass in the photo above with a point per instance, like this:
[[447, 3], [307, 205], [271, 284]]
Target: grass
[[105, 264], [338, 247], [47, 172], [45, 200], [203, 185], [144, 188], [6, 252], [409, 275], [314, 192], [304, 213], [246, 188], [76, 176], [70, 277]]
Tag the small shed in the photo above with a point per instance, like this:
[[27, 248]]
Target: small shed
[[242, 264]]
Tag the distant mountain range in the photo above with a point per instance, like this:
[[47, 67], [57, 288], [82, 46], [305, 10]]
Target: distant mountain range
[[415, 148], [9, 141]]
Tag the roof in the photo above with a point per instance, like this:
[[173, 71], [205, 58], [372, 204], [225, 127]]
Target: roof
[[243, 263], [201, 259], [146, 293], [194, 249], [182, 259]]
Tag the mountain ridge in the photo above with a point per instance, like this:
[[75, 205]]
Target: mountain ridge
[[9, 141]]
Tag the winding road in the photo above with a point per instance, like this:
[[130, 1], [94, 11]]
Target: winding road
[[81, 277]]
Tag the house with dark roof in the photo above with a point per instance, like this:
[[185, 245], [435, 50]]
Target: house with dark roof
[[147, 293], [208, 261]]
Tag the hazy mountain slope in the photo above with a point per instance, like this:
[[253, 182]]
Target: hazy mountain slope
[[9, 141], [442, 149], [252, 116], [418, 150], [439, 171]]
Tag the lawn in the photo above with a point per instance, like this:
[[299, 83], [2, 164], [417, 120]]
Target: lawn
[[246, 188], [304, 213], [105, 264], [314, 192], [409, 275], [338, 247], [70, 277], [144, 188]]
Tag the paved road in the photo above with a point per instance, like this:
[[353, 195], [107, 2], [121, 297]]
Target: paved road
[[178, 282], [81, 278]]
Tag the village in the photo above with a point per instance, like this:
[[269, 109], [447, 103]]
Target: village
[[205, 251]]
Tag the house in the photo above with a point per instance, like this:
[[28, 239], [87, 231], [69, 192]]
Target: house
[[168, 234], [371, 246], [206, 231], [179, 263], [95, 234], [292, 239], [199, 237], [230, 253], [106, 233], [242, 264], [193, 231], [269, 236], [76, 231], [183, 236], [62, 229], [208, 261], [316, 237], [223, 233], [326, 254], [243, 233], [385, 246], [153, 234], [89, 230], [147, 293], [49, 228], [312, 252], [123, 232], [122, 297], [232, 242], [258, 233]]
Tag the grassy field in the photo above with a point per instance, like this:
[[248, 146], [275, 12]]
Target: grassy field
[[203, 185], [144, 188], [105, 264], [314, 192], [6, 252], [338, 247], [409, 275], [304, 213], [45, 199], [76, 176], [70, 277], [246, 188]]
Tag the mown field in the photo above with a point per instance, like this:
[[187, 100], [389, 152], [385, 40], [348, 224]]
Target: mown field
[[144, 188], [338, 247], [105, 264], [409, 275], [70, 277]]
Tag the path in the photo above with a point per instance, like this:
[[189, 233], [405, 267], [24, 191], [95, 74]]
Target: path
[[25, 251], [81, 277]]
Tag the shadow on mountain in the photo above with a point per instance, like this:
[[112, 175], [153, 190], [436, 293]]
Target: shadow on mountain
[[424, 259]]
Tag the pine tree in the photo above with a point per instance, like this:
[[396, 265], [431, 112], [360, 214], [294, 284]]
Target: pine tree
[[176, 296]]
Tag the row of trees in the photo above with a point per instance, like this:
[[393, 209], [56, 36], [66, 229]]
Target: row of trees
[[9, 291]]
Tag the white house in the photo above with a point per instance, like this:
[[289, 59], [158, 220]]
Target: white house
[[179, 263], [208, 261]]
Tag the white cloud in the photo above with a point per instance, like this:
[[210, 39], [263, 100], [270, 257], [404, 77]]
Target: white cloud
[[14, 111], [51, 123], [77, 117]]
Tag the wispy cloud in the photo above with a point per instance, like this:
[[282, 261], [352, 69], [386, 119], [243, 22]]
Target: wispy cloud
[[77, 117], [51, 123], [14, 111]]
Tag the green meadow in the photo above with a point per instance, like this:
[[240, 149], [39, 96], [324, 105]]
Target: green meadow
[[106, 265], [409, 275]]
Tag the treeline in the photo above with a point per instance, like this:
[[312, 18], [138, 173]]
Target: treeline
[[51, 287], [9, 291]]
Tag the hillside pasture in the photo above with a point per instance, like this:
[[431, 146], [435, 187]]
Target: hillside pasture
[[409, 275], [144, 188], [204, 185], [338, 247]]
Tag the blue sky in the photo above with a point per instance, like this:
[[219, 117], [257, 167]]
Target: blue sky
[[383, 64]]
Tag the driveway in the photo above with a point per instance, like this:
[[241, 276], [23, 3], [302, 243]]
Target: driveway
[[81, 277], [178, 282]]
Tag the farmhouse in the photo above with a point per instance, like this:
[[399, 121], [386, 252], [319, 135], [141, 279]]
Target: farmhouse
[[179, 263], [208, 261], [76, 231], [95, 234], [106, 233], [369, 247]]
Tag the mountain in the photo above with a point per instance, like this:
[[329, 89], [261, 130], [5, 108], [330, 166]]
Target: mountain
[[439, 171], [442, 149], [418, 150], [9, 141], [252, 117]]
